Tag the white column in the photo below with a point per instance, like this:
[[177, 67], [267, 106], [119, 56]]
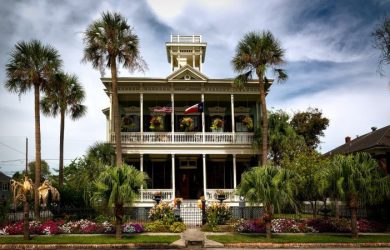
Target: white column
[[173, 117], [234, 171], [141, 118], [173, 177], [200, 63], [204, 177], [171, 59], [193, 58], [203, 121], [141, 166], [233, 118]]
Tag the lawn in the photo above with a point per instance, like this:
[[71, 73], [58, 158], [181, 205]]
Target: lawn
[[99, 239], [239, 238]]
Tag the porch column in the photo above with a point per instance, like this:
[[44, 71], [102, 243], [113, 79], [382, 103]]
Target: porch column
[[203, 121], [234, 171], [173, 177], [173, 116], [141, 166], [141, 119], [233, 118], [204, 176], [200, 62]]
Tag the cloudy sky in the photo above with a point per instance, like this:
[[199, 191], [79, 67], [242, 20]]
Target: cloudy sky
[[331, 61]]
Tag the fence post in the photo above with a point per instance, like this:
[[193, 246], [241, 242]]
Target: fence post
[[203, 212]]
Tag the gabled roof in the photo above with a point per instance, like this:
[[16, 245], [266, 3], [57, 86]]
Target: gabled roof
[[4, 177], [187, 73], [377, 139]]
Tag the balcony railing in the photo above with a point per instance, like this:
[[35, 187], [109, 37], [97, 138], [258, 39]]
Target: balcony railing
[[211, 194], [185, 138], [186, 39]]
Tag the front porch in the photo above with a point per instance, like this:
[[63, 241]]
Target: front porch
[[190, 176]]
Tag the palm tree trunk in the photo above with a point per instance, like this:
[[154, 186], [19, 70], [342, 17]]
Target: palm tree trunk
[[118, 220], [115, 107], [353, 208], [264, 118], [37, 151], [61, 167], [26, 225], [268, 220]]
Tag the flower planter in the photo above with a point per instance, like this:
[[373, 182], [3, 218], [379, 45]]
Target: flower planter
[[221, 197]]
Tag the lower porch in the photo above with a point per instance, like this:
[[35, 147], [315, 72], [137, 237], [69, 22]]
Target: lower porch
[[190, 176]]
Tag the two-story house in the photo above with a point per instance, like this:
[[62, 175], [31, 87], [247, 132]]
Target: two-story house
[[193, 154]]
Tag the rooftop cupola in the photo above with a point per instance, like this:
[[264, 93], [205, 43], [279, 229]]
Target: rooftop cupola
[[186, 50]]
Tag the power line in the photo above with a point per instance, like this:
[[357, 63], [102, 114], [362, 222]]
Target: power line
[[14, 149]]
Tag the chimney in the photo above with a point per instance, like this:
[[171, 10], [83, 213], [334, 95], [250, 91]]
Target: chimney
[[373, 129], [347, 139]]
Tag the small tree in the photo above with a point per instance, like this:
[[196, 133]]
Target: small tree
[[381, 37], [118, 186], [358, 180], [273, 187]]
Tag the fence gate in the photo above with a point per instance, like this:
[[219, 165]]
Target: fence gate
[[191, 214]]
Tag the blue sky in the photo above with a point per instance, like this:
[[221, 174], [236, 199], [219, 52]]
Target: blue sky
[[330, 60]]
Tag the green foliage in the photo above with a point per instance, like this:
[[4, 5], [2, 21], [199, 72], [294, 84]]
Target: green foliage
[[118, 185], [270, 185], [381, 36], [284, 142], [162, 212], [356, 177], [102, 152], [311, 125], [45, 170], [218, 214], [177, 227], [156, 226]]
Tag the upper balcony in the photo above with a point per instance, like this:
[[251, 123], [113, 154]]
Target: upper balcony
[[185, 138], [186, 39]]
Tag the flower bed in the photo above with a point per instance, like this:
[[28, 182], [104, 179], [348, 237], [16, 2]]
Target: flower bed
[[307, 226], [51, 227]]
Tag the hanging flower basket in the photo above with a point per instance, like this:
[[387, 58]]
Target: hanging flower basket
[[186, 124], [247, 121], [156, 123], [217, 125]]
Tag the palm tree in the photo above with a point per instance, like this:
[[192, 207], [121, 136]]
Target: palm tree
[[65, 96], [273, 187], [108, 41], [258, 52], [102, 152], [118, 186], [357, 180], [32, 65]]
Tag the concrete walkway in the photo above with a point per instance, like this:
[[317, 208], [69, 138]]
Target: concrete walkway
[[193, 237]]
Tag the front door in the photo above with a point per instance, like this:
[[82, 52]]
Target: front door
[[189, 180]]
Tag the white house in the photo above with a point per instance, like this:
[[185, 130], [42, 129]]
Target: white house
[[186, 155]]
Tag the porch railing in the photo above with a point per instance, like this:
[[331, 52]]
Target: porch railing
[[211, 194], [185, 137], [148, 194]]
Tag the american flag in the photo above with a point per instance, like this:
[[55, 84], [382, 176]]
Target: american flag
[[165, 109]]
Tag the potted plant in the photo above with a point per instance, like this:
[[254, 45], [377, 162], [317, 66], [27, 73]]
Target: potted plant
[[221, 195], [247, 122], [177, 202], [217, 125], [158, 196], [186, 124], [156, 123]]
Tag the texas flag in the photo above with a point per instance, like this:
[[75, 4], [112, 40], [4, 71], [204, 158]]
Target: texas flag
[[195, 108]]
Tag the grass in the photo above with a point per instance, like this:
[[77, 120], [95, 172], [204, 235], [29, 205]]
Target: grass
[[239, 238], [100, 239]]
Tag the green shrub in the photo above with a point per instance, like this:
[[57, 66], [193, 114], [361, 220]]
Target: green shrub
[[218, 214], [163, 212], [156, 226], [177, 227]]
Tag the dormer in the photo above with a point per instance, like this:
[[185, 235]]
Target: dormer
[[186, 50]]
